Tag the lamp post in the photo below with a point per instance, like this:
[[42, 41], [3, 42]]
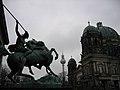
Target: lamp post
[[62, 61]]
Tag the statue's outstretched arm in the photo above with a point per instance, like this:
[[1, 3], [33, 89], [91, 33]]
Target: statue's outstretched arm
[[16, 29], [25, 35]]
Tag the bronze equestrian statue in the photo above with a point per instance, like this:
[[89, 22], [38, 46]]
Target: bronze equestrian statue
[[20, 44], [31, 53], [38, 58]]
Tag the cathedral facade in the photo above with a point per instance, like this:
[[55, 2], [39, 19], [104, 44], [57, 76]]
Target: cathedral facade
[[100, 59]]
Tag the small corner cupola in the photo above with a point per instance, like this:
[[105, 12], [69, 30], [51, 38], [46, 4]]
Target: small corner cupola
[[72, 63], [99, 24]]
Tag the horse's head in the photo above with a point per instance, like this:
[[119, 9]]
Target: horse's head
[[31, 44], [40, 43]]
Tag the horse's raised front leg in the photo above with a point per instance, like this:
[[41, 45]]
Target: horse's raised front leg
[[52, 49]]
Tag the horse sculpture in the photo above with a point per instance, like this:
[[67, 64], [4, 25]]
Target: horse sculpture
[[40, 56]]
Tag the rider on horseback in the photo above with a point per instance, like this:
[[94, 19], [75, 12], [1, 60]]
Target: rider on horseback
[[20, 44]]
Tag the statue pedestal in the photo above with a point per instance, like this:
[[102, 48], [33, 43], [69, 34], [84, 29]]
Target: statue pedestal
[[44, 82]]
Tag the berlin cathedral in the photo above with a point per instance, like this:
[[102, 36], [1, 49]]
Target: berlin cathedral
[[99, 67]]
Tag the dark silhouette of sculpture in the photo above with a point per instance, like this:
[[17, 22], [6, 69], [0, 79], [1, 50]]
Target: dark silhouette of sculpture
[[20, 42], [40, 56], [31, 53]]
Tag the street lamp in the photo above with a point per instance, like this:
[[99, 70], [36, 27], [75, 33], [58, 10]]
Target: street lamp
[[62, 61]]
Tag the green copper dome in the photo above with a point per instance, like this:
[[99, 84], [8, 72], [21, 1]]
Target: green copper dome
[[108, 32], [105, 31], [90, 29]]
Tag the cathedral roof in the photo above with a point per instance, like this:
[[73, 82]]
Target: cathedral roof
[[106, 32], [90, 29]]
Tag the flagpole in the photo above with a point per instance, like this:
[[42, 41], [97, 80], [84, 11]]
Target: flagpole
[[13, 17]]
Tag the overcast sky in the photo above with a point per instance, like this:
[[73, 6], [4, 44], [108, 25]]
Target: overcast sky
[[60, 23]]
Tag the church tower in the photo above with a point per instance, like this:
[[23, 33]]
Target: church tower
[[71, 69]]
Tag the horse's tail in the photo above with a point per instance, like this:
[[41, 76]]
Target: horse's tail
[[52, 49]]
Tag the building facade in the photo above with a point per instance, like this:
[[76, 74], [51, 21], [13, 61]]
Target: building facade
[[100, 58]]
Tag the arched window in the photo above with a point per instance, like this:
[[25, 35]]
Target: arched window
[[95, 41]]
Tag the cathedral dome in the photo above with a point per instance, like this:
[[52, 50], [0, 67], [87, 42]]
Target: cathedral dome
[[108, 32], [91, 30]]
